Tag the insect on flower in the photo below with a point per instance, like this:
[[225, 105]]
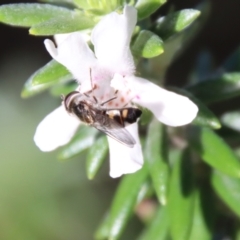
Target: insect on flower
[[112, 70], [111, 121]]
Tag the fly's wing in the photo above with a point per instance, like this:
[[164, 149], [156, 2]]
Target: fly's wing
[[115, 131]]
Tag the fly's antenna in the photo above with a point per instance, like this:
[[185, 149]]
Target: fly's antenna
[[90, 72]]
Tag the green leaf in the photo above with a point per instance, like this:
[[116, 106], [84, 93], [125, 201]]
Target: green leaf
[[63, 89], [181, 198], [205, 116], [82, 141], [76, 21], [30, 90], [228, 189], [103, 230], [217, 89], [156, 156], [83, 4], [203, 216], [96, 156], [29, 14], [51, 72], [124, 201], [147, 7], [145, 191], [158, 228], [232, 120], [147, 45], [44, 78], [214, 151], [176, 22]]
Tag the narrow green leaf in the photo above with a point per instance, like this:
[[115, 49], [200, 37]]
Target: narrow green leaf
[[217, 89], [205, 116], [83, 4], [29, 14], [176, 22], [58, 1], [44, 78], [96, 156], [145, 191], [214, 151], [158, 229], [232, 120], [51, 72], [147, 45], [203, 216], [125, 201], [103, 229], [76, 21], [147, 7], [228, 189], [63, 89], [156, 156], [83, 140], [181, 198], [30, 90]]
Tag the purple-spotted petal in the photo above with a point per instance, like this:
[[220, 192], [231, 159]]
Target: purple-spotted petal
[[123, 159], [168, 107], [111, 38], [55, 130], [74, 53]]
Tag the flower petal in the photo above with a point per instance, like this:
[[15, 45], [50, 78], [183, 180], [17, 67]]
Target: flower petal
[[74, 54], [111, 38], [123, 159], [168, 107], [55, 130]]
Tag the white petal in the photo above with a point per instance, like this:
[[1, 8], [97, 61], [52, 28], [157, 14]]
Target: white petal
[[55, 130], [123, 159], [111, 38], [74, 54], [168, 107], [59, 38]]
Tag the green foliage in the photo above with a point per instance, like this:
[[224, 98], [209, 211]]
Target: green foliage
[[181, 197], [156, 157], [217, 89], [79, 143], [183, 167], [176, 22], [214, 151], [147, 45], [29, 14], [51, 72], [75, 21], [124, 202], [95, 156], [153, 231], [147, 7], [228, 189]]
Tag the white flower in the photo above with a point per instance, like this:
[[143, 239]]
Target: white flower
[[112, 68]]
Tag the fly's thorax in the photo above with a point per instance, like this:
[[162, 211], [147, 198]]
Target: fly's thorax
[[84, 111]]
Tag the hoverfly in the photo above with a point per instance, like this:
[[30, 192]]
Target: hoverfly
[[111, 121]]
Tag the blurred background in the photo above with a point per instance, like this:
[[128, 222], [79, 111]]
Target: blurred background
[[44, 198]]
